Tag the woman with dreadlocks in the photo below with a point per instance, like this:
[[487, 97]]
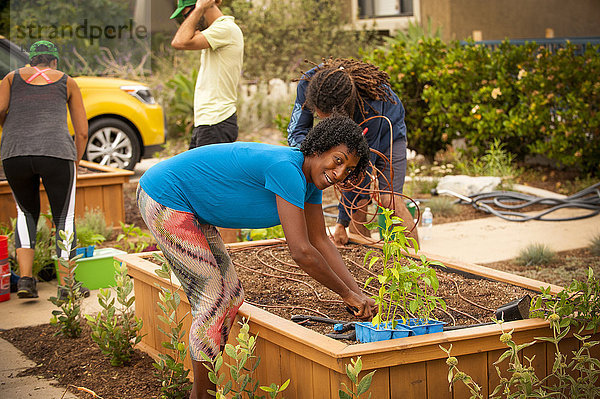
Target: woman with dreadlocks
[[183, 198], [361, 91]]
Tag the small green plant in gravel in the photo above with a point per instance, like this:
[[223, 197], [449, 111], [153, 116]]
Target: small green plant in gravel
[[536, 254], [595, 245], [68, 318], [407, 286], [443, 206], [358, 387], [116, 328], [132, 239], [241, 369], [175, 383]]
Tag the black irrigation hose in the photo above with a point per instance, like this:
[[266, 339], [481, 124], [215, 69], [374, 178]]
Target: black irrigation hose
[[588, 198]]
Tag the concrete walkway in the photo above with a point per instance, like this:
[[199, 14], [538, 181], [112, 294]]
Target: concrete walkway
[[24, 313]]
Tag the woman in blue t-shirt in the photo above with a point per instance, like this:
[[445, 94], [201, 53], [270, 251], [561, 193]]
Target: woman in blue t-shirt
[[251, 185]]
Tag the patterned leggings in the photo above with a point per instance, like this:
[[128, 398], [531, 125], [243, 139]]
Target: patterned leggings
[[199, 259]]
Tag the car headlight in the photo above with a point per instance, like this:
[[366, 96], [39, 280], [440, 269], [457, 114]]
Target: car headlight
[[142, 93]]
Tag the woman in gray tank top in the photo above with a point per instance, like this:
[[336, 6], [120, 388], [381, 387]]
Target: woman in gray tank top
[[35, 145]]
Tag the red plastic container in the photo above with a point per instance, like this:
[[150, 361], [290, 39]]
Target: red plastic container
[[4, 270]]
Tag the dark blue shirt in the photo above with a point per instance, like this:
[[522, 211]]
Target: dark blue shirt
[[378, 134]]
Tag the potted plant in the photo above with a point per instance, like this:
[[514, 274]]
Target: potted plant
[[407, 287]]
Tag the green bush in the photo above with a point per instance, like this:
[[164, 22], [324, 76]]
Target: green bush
[[535, 101]]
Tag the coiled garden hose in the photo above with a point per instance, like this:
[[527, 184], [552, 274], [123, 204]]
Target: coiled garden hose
[[509, 201]]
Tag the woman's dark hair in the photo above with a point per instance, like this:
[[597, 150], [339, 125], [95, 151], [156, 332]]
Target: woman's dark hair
[[44, 59], [337, 130], [340, 84]]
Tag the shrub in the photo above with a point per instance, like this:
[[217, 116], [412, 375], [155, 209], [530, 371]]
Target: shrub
[[538, 102], [116, 328], [68, 318], [536, 254], [93, 221], [241, 369]]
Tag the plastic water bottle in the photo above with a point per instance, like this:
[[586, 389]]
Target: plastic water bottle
[[427, 223]]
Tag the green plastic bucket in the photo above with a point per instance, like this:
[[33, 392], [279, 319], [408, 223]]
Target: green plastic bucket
[[97, 271]]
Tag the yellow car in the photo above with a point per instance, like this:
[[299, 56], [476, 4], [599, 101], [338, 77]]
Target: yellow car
[[125, 122]]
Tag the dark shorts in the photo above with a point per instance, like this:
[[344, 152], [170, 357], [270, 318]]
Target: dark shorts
[[222, 132]]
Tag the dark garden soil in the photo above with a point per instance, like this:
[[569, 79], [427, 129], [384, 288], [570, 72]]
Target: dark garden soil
[[562, 270], [274, 282], [78, 362]]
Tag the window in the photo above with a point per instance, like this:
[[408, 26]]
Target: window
[[384, 8]]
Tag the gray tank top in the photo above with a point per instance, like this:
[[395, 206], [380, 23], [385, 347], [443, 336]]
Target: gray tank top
[[36, 123]]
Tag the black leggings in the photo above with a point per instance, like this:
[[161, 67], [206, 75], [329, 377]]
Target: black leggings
[[59, 177]]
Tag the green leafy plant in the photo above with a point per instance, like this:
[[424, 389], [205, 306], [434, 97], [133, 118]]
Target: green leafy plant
[[495, 162], [241, 369], [175, 383], [68, 318], [358, 387], [86, 236], [407, 287], [536, 254], [132, 239], [181, 104], [91, 228], [443, 206], [572, 375], [116, 328]]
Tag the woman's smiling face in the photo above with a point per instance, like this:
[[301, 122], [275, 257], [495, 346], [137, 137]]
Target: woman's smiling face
[[331, 167]]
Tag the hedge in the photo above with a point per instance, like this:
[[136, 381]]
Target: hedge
[[535, 101]]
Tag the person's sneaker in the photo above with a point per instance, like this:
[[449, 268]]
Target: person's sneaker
[[63, 293], [26, 288]]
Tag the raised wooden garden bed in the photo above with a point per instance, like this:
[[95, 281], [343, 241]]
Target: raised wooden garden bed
[[102, 189], [412, 367]]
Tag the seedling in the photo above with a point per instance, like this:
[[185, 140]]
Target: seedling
[[407, 286]]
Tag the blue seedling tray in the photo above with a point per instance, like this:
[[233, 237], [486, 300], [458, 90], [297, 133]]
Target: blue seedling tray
[[87, 252], [367, 332], [420, 326]]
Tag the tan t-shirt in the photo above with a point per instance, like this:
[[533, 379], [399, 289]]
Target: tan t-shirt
[[221, 65]]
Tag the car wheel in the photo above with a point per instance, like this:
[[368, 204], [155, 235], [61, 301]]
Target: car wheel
[[112, 142]]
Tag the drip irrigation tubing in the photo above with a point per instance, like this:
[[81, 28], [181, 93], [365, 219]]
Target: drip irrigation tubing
[[509, 201], [261, 253]]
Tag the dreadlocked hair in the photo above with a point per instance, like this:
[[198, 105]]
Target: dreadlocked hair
[[339, 84], [338, 130]]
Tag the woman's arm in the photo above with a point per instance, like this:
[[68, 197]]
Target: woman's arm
[[319, 239], [312, 261], [5, 97], [78, 117]]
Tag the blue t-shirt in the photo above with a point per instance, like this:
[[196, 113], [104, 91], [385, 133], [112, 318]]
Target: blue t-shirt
[[232, 185]]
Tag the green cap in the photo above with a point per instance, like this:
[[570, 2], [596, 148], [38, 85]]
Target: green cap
[[181, 4], [43, 47]]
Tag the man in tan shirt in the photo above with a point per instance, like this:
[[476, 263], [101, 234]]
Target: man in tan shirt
[[221, 43]]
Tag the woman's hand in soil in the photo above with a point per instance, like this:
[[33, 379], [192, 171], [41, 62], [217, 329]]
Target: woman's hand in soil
[[340, 237], [364, 305]]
